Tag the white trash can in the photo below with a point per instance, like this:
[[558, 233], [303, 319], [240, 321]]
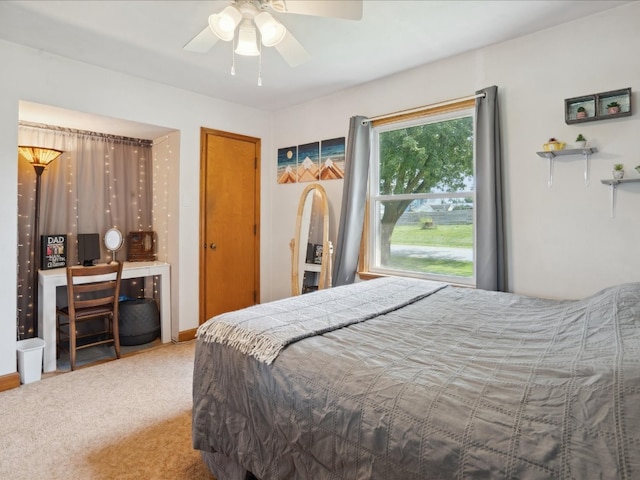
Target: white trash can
[[30, 359]]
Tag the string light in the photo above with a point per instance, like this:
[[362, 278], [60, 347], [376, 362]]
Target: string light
[[162, 159], [19, 325]]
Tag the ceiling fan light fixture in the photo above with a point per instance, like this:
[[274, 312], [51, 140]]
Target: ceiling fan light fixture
[[247, 40], [224, 23], [271, 31]]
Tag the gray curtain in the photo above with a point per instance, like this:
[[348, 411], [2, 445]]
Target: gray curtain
[[354, 196], [491, 269], [100, 181]]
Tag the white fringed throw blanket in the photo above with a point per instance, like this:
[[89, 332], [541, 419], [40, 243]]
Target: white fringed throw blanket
[[262, 331]]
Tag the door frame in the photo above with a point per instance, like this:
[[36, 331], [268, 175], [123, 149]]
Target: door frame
[[204, 132]]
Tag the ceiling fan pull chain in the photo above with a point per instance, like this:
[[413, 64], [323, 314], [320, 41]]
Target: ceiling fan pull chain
[[260, 64], [233, 56]]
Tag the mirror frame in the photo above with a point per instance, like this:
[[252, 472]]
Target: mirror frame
[[325, 267], [113, 234]]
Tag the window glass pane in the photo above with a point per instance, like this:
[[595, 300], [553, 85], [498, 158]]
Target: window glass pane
[[430, 236], [432, 157]]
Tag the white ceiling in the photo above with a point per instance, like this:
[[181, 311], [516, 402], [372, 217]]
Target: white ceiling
[[145, 39]]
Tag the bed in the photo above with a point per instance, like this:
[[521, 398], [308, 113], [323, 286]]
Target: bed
[[399, 378]]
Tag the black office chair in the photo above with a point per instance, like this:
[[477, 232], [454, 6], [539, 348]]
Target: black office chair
[[92, 294]]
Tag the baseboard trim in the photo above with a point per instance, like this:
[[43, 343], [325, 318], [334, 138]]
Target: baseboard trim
[[187, 335], [9, 381]]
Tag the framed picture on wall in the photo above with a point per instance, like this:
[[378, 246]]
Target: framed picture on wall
[[287, 163], [309, 162], [332, 159]]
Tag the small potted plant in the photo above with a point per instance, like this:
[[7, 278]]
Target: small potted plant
[[581, 112], [581, 142], [553, 144], [613, 108], [618, 171]]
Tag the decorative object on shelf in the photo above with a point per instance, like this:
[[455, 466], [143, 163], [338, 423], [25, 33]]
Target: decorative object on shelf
[[613, 108], [586, 152], [552, 145], [618, 171], [581, 142], [637, 168], [598, 106]]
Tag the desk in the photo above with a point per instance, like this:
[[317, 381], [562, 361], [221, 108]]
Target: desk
[[49, 280]]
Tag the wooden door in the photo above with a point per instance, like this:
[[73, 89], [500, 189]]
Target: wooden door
[[229, 222]]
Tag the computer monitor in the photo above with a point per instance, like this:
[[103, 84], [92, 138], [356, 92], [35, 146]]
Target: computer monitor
[[88, 248]]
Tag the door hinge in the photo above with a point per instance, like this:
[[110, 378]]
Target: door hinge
[[255, 297], [255, 229], [255, 163]]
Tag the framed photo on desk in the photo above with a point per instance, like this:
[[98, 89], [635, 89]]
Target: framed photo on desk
[[53, 251]]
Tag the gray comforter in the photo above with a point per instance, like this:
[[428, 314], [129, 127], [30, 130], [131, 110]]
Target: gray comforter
[[458, 384]]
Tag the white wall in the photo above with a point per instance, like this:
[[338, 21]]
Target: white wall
[[561, 240], [50, 80]]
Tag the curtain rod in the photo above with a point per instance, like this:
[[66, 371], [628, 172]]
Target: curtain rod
[[87, 133], [433, 105]]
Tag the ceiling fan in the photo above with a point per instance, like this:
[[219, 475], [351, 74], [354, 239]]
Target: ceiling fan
[[246, 19]]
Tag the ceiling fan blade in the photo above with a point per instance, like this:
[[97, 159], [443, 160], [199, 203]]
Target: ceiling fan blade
[[347, 9], [202, 42], [291, 50]]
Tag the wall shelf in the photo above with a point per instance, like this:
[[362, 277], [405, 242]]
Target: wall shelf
[[615, 182], [613, 185], [586, 152]]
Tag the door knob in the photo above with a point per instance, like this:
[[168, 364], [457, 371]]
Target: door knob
[[213, 246]]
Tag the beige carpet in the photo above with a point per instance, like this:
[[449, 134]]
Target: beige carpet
[[124, 419]]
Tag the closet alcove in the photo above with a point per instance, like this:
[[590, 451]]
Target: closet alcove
[[165, 154]]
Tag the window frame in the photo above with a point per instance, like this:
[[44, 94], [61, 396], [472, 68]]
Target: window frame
[[370, 237]]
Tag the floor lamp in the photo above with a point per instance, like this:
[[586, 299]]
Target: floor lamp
[[39, 158]]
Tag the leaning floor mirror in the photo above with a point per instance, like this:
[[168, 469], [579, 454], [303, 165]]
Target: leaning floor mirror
[[310, 248]]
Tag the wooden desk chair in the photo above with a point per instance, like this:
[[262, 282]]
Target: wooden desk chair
[[92, 294]]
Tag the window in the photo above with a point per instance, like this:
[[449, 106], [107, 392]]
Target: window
[[422, 196]]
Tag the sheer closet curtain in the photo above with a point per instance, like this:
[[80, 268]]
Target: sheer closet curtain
[[100, 181]]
